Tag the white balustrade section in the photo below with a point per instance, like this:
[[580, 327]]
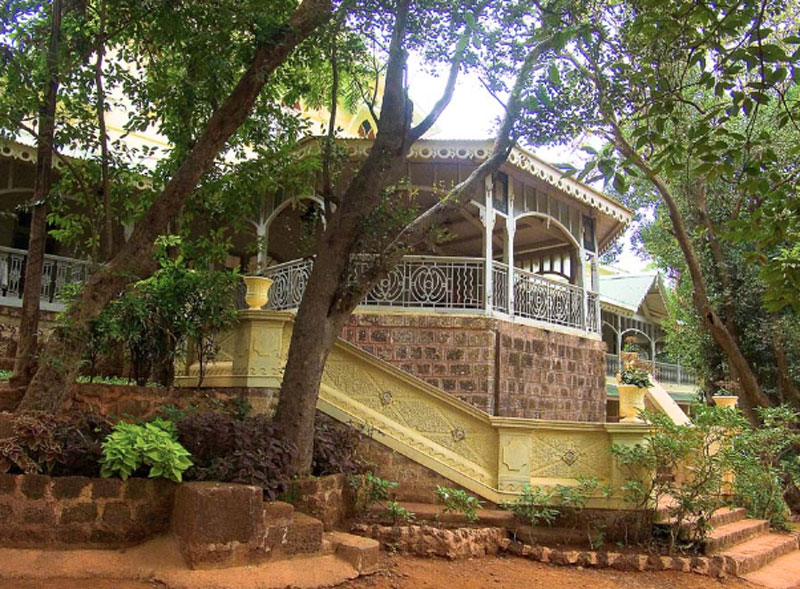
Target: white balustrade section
[[57, 272], [449, 283]]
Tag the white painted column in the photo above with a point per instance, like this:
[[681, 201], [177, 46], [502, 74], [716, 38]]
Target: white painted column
[[488, 230], [508, 248]]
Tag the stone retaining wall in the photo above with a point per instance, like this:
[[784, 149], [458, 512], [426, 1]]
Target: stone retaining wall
[[502, 368], [116, 400], [38, 510]]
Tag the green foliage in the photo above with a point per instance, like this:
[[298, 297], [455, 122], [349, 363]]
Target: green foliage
[[535, 506], [5, 374], [765, 463], [458, 501], [636, 377], [398, 513], [232, 448], [157, 318], [370, 490], [131, 447], [64, 444], [692, 453]]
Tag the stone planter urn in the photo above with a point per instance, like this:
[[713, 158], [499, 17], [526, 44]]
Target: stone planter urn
[[726, 400], [257, 291], [631, 402]]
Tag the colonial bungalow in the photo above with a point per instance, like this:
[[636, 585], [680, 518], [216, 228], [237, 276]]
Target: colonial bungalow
[[509, 313]]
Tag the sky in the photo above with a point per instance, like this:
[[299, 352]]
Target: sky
[[473, 114]]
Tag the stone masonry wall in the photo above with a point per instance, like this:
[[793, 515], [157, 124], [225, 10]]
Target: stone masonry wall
[[549, 375], [37, 510], [454, 354], [502, 368]]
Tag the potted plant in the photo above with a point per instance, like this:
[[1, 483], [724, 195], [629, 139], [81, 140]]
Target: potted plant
[[632, 384], [725, 398]]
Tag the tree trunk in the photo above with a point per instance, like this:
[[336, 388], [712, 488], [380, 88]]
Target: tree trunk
[[61, 358], [752, 396], [105, 182], [27, 343]]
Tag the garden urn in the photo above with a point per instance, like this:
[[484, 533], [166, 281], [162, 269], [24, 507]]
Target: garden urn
[[257, 293], [726, 400], [631, 402]]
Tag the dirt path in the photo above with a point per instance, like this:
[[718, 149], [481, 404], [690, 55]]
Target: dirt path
[[405, 572]]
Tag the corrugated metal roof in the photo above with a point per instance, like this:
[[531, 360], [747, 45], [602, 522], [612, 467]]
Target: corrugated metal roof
[[627, 290]]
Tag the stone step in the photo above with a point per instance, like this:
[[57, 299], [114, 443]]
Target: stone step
[[359, 552], [303, 535], [781, 573], [500, 518], [753, 554], [721, 517], [727, 535]]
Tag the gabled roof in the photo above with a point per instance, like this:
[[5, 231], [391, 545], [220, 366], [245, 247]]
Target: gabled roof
[[630, 291]]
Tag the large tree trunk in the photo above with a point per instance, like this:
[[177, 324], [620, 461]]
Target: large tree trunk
[[27, 342], [752, 396], [330, 297], [61, 358]]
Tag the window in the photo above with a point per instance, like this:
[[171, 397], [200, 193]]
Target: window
[[365, 130]]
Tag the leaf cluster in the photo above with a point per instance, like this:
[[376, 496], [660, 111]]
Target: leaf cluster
[[131, 447]]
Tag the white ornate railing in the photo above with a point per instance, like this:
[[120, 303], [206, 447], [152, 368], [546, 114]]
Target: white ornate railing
[[456, 284], [558, 303], [57, 272], [664, 372]]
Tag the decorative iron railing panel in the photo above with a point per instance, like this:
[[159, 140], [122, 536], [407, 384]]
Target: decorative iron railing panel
[[546, 300], [432, 283], [57, 272], [500, 286], [289, 284]]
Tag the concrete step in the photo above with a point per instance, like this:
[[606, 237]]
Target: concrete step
[[781, 573], [757, 552], [727, 535]]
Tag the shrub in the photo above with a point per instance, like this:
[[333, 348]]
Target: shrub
[[372, 490], [157, 317], [458, 501], [535, 506], [695, 455], [764, 463], [64, 444], [131, 447], [335, 447], [251, 450]]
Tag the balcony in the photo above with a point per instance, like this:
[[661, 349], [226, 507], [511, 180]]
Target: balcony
[[457, 284], [58, 271], [664, 372]]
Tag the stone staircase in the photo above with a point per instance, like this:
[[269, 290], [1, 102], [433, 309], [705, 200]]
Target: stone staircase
[[750, 548]]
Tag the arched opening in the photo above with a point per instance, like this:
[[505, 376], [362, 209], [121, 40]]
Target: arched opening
[[545, 247]]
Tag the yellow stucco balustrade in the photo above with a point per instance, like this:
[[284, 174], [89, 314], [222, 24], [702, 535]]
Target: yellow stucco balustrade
[[493, 457]]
